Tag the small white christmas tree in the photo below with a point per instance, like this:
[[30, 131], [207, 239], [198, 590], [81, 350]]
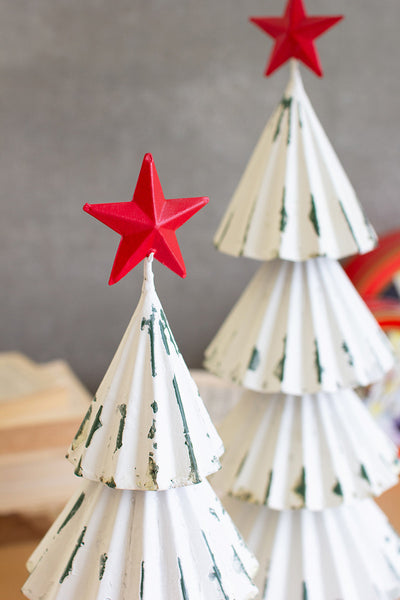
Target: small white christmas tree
[[145, 524], [303, 454]]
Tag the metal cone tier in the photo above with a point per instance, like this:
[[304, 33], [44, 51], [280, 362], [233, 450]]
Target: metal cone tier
[[315, 451], [300, 328], [350, 552], [123, 544], [147, 427], [294, 200]]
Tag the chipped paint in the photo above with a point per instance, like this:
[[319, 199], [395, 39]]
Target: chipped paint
[[103, 560], [154, 407], [317, 363], [313, 216], [95, 426], [152, 430], [349, 224], [214, 514], [72, 512], [194, 473], [153, 470], [111, 483], [149, 323], [280, 367], [182, 581], [285, 105], [305, 592], [240, 564], [301, 487], [215, 571], [78, 468], [141, 580], [254, 360], [364, 474], [82, 428], [247, 228], [122, 410], [346, 349], [224, 231], [267, 493], [164, 327], [337, 489], [68, 568], [284, 215]]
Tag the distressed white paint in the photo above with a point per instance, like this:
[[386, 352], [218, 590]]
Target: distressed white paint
[[300, 328], [350, 552], [314, 451], [176, 544], [294, 200], [166, 438]]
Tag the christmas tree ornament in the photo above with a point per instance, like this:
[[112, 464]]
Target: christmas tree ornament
[[144, 523], [303, 457]]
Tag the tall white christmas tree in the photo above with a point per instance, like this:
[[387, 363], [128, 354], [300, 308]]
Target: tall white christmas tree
[[145, 524], [303, 455]]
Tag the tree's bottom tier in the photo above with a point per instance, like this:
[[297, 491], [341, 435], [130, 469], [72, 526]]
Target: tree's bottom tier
[[110, 544], [346, 553]]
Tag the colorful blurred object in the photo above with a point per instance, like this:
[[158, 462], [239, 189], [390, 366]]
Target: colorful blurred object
[[376, 276]]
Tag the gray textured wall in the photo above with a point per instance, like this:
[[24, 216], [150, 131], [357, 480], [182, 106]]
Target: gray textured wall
[[86, 88]]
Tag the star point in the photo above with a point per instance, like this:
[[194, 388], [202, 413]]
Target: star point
[[147, 223], [294, 34]]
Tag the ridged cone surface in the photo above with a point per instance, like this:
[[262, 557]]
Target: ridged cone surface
[[300, 328], [314, 451], [351, 552], [294, 200], [147, 427], [123, 545]]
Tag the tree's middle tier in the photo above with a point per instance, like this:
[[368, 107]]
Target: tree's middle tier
[[300, 328]]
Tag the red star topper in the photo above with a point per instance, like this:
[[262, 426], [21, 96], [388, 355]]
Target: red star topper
[[147, 223], [294, 35]]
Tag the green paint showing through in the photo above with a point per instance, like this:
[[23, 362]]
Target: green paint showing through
[[214, 514], [305, 592], [284, 215], [224, 231], [313, 216], [72, 512], [185, 595], [353, 235], [164, 327], [154, 407], [122, 410], [239, 562], [337, 489], [254, 360], [346, 349], [285, 105], [68, 568], [78, 468], [215, 572], [141, 580], [301, 487], [280, 367], [103, 560], [153, 469], [152, 430], [317, 363], [82, 428], [111, 483], [150, 329], [95, 426], [364, 474], [267, 493], [194, 473]]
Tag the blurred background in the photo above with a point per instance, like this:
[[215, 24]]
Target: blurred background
[[86, 88]]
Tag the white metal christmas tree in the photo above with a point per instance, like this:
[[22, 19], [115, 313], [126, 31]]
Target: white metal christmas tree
[[145, 524], [303, 456]]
